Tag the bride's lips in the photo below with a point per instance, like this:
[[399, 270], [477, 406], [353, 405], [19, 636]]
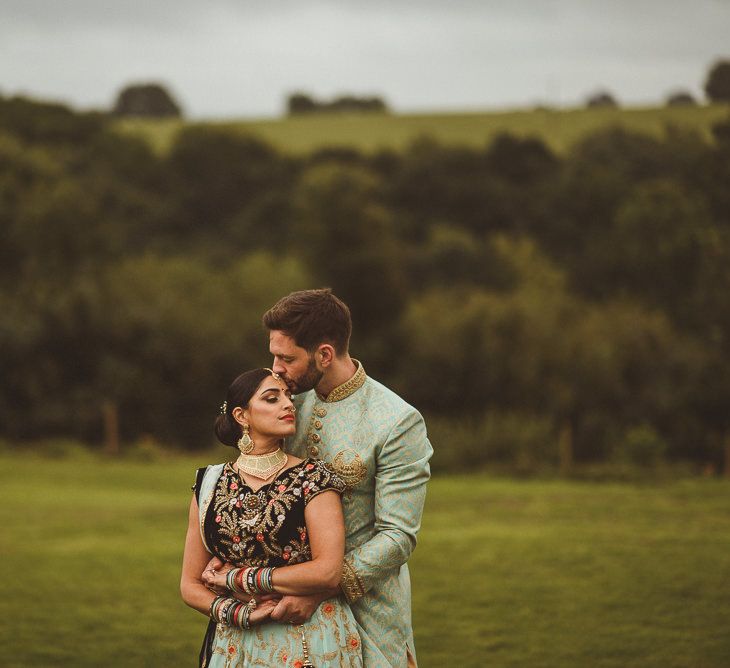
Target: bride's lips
[[289, 418]]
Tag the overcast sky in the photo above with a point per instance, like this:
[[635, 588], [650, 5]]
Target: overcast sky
[[240, 58]]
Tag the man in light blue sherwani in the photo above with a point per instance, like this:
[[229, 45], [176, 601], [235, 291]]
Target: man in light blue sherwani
[[377, 443]]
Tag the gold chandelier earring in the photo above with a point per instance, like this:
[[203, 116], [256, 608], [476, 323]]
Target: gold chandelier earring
[[245, 443]]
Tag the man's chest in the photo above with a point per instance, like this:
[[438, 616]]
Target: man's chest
[[340, 436]]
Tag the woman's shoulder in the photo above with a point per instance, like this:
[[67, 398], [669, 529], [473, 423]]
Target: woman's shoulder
[[202, 474], [322, 476]]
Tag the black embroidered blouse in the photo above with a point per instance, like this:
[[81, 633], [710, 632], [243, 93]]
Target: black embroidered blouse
[[264, 527]]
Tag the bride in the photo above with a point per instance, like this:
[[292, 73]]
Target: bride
[[275, 522]]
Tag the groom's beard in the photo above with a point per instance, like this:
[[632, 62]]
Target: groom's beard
[[308, 380]]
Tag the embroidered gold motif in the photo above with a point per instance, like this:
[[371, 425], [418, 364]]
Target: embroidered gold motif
[[349, 466], [349, 387], [351, 584]]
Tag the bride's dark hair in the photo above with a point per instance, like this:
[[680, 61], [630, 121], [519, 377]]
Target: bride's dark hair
[[239, 393]]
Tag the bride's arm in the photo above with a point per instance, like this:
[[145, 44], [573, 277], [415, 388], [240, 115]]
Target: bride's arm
[[326, 529], [195, 559]]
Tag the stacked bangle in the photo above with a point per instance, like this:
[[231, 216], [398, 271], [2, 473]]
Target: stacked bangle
[[250, 580], [231, 612]]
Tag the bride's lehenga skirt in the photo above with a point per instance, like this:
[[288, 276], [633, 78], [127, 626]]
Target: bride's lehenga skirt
[[331, 636]]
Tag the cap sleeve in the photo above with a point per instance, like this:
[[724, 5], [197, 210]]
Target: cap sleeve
[[198, 482], [321, 478]]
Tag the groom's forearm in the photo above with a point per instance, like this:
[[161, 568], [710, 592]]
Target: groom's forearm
[[400, 492], [298, 609]]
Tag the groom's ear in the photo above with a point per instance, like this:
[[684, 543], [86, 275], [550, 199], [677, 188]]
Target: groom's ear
[[325, 354]]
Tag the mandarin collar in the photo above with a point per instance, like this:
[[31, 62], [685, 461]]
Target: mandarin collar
[[348, 388]]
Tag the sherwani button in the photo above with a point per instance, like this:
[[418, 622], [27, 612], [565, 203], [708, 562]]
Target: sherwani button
[[317, 424], [313, 450], [316, 438]]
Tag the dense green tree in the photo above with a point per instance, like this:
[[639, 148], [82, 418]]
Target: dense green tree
[[192, 329], [539, 350], [347, 236], [151, 99], [48, 123], [578, 302], [681, 99], [300, 103], [215, 175], [601, 100], [657, 245], [717, 85]]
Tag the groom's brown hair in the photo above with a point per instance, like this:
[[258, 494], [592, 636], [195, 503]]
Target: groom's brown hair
[[312, 317]]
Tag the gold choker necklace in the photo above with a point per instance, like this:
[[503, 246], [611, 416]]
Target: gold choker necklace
[[262, 466]]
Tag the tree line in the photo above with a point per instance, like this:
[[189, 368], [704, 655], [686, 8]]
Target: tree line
[[153, 99], [539, 308]]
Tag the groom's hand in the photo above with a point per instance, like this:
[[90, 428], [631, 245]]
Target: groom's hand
[[298, 609]]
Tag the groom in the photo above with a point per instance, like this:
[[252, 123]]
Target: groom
[[377, 443]]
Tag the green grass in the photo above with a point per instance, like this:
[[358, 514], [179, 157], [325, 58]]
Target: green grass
[[507, 573], [370, 132]]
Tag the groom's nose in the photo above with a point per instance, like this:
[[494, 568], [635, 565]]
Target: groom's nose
[[278, 367]]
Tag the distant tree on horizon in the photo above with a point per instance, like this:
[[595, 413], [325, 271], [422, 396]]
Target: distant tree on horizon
[[150, 99], [601, 99], [303, 103], [681, 98], [300, 103], [717, 86]]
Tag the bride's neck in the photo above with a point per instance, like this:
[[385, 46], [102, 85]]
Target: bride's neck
[[264, 444]]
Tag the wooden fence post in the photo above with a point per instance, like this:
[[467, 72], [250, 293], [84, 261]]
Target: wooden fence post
[[565, 447], [111, 428]]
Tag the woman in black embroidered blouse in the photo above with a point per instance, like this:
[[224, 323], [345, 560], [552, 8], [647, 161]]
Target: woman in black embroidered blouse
[[268, 509]]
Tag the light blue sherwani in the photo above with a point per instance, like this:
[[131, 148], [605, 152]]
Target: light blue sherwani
[[377, 443]]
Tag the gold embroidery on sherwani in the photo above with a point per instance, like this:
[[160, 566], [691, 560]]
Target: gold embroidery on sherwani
[[390, 437], [315, 441], [349, 466], [349, 387], [351, 584]]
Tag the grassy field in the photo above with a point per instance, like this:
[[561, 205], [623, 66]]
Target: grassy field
[[507, 573], [370, 132]]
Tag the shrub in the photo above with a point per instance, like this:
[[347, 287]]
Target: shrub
[[641, 446], [517, 441], [602, 99], [681, 99]]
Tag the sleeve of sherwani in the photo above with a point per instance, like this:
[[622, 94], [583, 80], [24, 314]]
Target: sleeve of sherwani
[[402, 472]]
